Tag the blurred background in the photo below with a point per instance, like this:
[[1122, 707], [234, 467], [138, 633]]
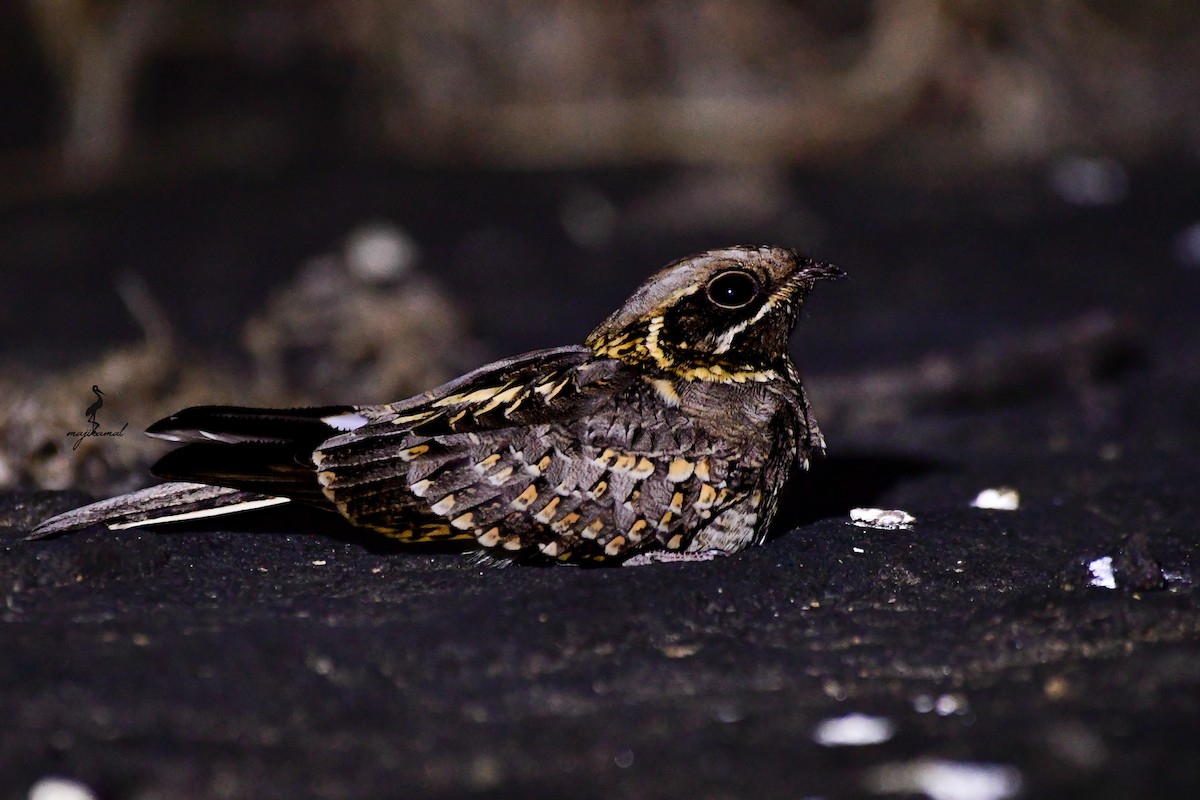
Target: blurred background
[[116, 92], [315, 200]]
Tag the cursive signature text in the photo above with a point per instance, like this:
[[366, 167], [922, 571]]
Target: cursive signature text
[[79, 436]]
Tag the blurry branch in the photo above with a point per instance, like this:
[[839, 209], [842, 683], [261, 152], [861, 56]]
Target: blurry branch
[[937, 86], [95, 51], [1075, 355], [145, 309], [906, 40], [820, 113]]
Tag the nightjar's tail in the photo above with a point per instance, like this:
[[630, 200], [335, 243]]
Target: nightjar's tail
[[167, 502], [232, 459]]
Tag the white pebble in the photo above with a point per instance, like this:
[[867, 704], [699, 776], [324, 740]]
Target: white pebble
[[1102, 573], [854, 730], [1001, 498], [56, 788], [947, 780], [884, 519]]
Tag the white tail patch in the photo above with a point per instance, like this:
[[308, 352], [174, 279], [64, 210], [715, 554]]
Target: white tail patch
[[249, 505], [345, 422]]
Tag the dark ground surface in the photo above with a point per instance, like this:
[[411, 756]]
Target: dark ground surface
[[282, 657]]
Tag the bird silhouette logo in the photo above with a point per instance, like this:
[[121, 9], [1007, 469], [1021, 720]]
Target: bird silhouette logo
[[90, 414], [94, 424]]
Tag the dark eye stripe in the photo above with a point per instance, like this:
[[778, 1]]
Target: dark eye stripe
[[733, 288]]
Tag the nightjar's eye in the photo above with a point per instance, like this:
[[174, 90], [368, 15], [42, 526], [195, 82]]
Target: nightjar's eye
[[733, 289]]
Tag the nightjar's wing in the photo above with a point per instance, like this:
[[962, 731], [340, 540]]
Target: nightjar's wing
[[579, 456]]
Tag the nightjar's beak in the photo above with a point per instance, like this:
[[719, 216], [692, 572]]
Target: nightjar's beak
[[820, 271]]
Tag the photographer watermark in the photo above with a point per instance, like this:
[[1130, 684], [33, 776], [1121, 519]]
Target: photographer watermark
[[90, 416]]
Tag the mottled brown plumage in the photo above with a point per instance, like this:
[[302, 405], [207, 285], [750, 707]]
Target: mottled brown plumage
[[668, 435]]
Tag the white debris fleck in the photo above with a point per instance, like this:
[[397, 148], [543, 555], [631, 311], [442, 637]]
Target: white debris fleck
[[854, 730], [884, 519], [1176, 577], [1102, 573], [946, 780], [57, 788], [858, 550], [320, 562], [1000, 498], [322, 665], [1089, 181]]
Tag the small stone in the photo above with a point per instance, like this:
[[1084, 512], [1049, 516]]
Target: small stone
[[884, 519], [854, 730], [946, 780], [1000, 498], [1102, 573], [57, 788]]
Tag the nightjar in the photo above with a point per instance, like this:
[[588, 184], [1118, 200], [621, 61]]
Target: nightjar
[[667, 436]]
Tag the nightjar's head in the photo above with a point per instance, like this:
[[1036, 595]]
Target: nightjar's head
[[714, 316]]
